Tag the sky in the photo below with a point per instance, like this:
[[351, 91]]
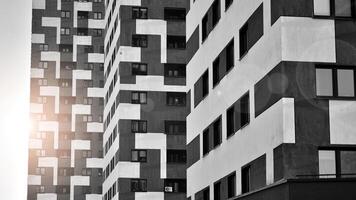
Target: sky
[[15, 44]]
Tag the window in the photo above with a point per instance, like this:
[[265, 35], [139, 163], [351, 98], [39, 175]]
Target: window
[[139, 156], [97, 32], [139, 97], [40, 171], [87, 154], [216, 71], [62, 189], [245, 179], [337, 163], [139, 13], [174, 14], [87, 100], [83, 15], [176, 99], [228, 3], [206, 194], [216, 12], [82, 31], [139, 126], [175, 70], [333, 8], [205, 142], [65, 14], [175, 127], [231, 185], [138, 185], [87, 118], [217, 132], [98, 15], [65, 48], [245, 110], [176, 156], [175, 42], [230, 121], [43, 65], [335, 82], [243, 40], [65, 31], [217, 189], [205, 78], [43, 47], [139, 69], [175, 185], [42, 82], [230, 56], [86, 172], [139, 41], [205, 27]]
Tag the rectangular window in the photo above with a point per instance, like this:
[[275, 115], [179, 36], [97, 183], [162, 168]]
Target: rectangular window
[[217, 132], [139, 97], [245, 179], [322, 7], [245, 110], [83, 14], [205, 87], [216, 12], [327, 164], [340, 163], [82, 31], [98, 15], [139, 126], [175, 185], [217, 189], [43, 65], [139, 69], [139, 41], [65, 48], [343, 8], [138, 185], [174, 14], [334, 8], [335, 82], [205, 27], [176, 99], [230, 56], [43, 47], [231, 185], [175, 70], [243, 40], [65, 14], [175, 42], [139, 13], [139, 155], [228, 3], [205, 142], [97, 32], [175, 127], [176, 156], [230, 121], [216, 71], [206, 194]]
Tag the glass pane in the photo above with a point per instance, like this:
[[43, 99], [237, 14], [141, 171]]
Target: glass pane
[[324, 84], [348, 163], [345, 82], [134, 156], [327, 164], [343, 8], [322, 7]]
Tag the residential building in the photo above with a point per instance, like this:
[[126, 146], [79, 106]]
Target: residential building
[[67, 76], [145, 100], [273, 99]]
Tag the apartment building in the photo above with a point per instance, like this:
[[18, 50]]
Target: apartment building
[[273, 99], [67, 79], [146, 103]]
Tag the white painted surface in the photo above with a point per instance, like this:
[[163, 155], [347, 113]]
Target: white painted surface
[[96, 24], [53, 22], [79, 109], [95, 57], [154, 27], [95, 127], [39, 4], [130, 2], [59, 4], [342, 122], [34, 180], [96, 92], [80, 6], [37, 73], [50, 162], [46, 196], [149, 195], [79, 40], [94, 163], [53, 56], [78, 145], [129, 111], [50, 126], [38, 38], [78, 181], [79, 75], [35, 143], [93, 197], [129, 54], [36, 108], [152, 83], [154, 141], [52, 91]]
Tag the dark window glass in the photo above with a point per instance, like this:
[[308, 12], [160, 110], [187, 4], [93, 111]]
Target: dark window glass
[[245, 179], [176, 99], [231, 185], [176, 156], [206, 142], [139, 155], [206, 83], [175, 185], [217, 189], [206, 194], [230, 121], [216, 76], [175, 70], [139, 126], [205, 27], [175, 42], [174, 14], [139, 41], [138, 185], [230, 56], [216, 12], [243, 40], [217, 132], [139, 69], [245, 110], [228, 4], [139, 97], [83, 15], [175, 127], [139, 13]]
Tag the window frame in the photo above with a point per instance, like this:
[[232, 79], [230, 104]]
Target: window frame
[[332, 11], [140, 159]]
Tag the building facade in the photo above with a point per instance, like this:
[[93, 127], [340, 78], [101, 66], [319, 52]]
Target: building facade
[[67, 79], [145, 100], [273, 99]]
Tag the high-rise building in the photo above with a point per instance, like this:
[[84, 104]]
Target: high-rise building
[[67, 79], [145, 100], [273, 105]]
